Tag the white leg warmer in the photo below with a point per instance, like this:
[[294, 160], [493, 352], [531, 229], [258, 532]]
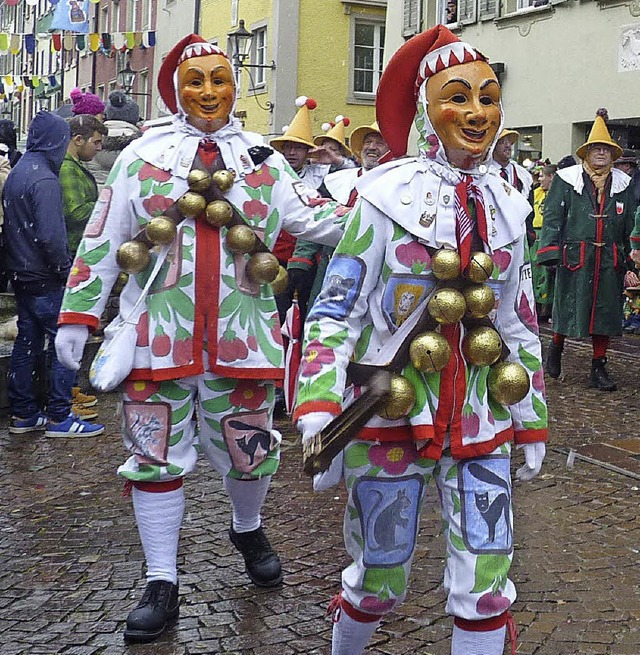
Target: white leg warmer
[[247, 499], [350, 637], [159, 517], [490, 642]]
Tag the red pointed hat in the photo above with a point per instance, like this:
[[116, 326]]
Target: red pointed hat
[[176, 56], [414, 62]]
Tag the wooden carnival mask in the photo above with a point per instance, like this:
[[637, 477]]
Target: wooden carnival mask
[[206, 88], [464, 109]]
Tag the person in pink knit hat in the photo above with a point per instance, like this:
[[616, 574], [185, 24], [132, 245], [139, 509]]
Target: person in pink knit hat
[[86, 103]]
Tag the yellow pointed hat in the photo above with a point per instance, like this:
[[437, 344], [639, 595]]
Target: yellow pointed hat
[[600, 134], [299, 130], [335, 131], [357, 136]]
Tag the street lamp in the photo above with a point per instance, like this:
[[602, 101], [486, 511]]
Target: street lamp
[[241, 40], [126, 78]]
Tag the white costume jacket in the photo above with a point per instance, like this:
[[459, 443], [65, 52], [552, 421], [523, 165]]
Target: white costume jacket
[[379, 274], [202, 298]]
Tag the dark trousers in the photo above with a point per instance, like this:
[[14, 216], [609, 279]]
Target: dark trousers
[[37, 318]]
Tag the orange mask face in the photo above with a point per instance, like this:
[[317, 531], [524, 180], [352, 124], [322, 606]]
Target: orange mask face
[[464, 109], [206, 88]]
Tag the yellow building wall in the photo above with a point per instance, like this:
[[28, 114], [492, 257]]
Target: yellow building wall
[[215, 24], [324, 61]]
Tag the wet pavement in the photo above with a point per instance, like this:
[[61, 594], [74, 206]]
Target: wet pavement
[[71, 566]]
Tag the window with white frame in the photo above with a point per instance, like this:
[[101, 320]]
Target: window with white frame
[[131, 9], [143, 90], [368, 53], [145, 15], [452, 12], [115, 16], [259, 56]]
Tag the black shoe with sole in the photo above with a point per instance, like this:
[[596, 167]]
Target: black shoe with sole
[[553, 363], [262, 564], [600, 379], [158, 607]]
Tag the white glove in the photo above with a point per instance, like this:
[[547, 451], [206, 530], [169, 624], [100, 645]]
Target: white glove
[[309, 425], [70, 341], [533, 456]]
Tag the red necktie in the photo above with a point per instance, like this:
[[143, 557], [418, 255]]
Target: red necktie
[[503, 174], [208, 151], [469, 201]]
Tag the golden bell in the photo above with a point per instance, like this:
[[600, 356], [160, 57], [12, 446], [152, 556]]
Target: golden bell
[[430, 352], [218, 213], [400, 401], [279, 285], [198, 181], [445, 264], [508, 382], [241, 239], [133, 257], [480, 300], [191, 204], [263, 267], [160, 230], [224, 179], [482, 346], [480, 267], [447, 306]]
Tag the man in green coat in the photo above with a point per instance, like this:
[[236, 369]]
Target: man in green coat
[[588, 217], [79, 188]]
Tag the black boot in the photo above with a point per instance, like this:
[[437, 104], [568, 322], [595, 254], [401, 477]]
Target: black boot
[[263, 565], [599, 377], [157, 608], [553, 365]]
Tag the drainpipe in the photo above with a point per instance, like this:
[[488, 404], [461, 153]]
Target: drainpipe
[[196, 19]]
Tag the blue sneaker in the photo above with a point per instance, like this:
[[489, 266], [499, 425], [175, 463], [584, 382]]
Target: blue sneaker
[[35, 423], [73, 426]]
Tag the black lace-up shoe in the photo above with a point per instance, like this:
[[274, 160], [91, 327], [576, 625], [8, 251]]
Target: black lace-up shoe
[[263, 565], [600, 379], [158, 607]]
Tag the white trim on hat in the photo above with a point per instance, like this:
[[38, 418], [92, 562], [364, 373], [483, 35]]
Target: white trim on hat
[[446, 56], [200, 49]]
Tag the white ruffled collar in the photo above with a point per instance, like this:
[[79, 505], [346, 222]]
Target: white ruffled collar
[[418, 194]]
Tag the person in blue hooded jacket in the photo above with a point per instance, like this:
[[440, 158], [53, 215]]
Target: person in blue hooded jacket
[[37, 258]]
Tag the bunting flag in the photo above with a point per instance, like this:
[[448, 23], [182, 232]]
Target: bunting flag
[[10, 84], [94, 42], [71, 15]]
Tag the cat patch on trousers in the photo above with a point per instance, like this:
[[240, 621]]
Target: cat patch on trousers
[[485, 498], [248, 438], [148, 426], [388, 510]]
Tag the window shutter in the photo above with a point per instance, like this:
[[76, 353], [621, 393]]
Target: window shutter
[[488, 9], [411, 18], [467, 11]]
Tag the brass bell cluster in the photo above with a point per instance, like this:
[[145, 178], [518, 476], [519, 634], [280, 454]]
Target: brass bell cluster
[[263, 267], [468, 296]]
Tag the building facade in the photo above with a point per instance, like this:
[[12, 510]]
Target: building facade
[[38, 67], [331, 51], [558, 62]]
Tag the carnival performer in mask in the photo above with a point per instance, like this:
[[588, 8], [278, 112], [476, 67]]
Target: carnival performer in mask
[[440, 239], [208, 335]]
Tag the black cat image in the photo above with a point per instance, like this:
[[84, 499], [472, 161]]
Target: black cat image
[[388, 520], [491, 512], [250, 445], [336, 289]]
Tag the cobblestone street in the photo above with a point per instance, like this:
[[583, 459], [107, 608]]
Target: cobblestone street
[[71, 566]]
